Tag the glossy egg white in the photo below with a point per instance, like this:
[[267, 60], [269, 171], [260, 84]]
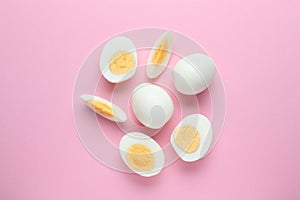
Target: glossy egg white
[[119, 114], [113, 46], [203, 125], [193, 74], [152, 105], [140, 138], [152, 70]]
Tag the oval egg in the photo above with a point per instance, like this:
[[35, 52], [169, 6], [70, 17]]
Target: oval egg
[[104, 108], [141, 154], [192, 137], [160, 55], [193, 74], [152, 105], [118, 60]]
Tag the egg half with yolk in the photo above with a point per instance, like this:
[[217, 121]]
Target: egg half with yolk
[[141, 154], [118, 60], [192, 137], [160, 55], [104, 108]]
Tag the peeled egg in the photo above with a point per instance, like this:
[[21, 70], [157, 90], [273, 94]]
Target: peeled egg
[[192, 137], [104, 108], [160, 55], [152, 105], [193, 74], [141, 154], [118, 60]]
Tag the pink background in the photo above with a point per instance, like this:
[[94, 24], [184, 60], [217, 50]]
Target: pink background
[[256, 46]]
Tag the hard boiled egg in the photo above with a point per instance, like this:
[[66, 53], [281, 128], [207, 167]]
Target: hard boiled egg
[[160, 55], [118, 60], [193, 74], [152, 105], [104, 108], [141, 154], [192, 137]]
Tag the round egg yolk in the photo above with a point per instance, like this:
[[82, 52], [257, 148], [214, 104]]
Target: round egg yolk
[[102, 108], [160, 52], [140, 158], [122, 62], [187, 138]]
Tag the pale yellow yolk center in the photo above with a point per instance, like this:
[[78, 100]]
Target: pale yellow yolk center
[[160, 53], [102, 108], [187, 138], [122, 62], [140, 158]]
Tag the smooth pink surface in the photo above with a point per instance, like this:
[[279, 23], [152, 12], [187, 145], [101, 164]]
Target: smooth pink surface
[[256, 46]]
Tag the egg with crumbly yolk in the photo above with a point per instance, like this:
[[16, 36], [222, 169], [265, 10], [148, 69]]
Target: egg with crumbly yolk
[[118, 59], [104, 108], [141, 154], [160, 55], [192, 137]]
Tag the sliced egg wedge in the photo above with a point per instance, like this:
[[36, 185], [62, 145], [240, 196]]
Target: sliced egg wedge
[[192, 137], [160, 55], [141, 154], [118, 60], [104, 108]]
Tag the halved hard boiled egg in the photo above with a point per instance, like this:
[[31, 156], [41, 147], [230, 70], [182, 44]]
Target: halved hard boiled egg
[[192, 137], [141, 154], [118, 60], [193, 74], [104, 108], [160, 55]]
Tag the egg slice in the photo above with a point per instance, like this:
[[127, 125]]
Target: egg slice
[[193, 74], [104, 108], [152, 105], [160, 55], [118, 60], [192, 137], [141, 154]]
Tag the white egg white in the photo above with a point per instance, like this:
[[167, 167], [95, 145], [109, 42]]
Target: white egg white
[[152, 70], [113, 46], [139, 138], [152, 105], [203, 125], [119, 114], [193, 74]]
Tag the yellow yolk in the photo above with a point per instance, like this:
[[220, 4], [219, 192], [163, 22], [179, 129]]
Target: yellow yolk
[[102, 108], [140, 158], [160, 52], [187, 138], [122, 62]]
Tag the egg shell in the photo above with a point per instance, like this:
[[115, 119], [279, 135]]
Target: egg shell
[[203, 125], [117, 44], [152, 105], [152, 70], [193, 74], [119, 114], [139, 138]]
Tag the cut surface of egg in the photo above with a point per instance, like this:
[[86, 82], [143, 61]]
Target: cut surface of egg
[[193, 74], [192, 137], [118, 60], [160, 55], [104, 108], [152, 105], [141, 154]]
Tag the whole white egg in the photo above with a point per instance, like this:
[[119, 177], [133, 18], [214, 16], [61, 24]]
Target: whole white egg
[[118, 60], [193, 74], [152, 105]]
